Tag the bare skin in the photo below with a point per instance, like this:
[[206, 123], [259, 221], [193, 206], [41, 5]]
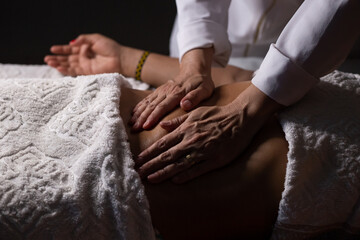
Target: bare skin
[[230, 127], [238, 201], [193, 80], [95, 53]]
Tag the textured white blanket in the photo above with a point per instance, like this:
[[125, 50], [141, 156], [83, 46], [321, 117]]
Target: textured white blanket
[[66, 170], [62, 176], [322, 189]]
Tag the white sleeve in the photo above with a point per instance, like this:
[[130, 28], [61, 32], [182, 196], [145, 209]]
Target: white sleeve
[[203, 24], [316, 40]]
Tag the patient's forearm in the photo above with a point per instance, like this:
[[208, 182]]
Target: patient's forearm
[[158, 69]]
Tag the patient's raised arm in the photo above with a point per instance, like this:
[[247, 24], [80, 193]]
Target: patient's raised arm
[[94, 53], [88, 54]]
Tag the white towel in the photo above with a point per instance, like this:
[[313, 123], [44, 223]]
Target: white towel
[[321, 199], [66, 170]]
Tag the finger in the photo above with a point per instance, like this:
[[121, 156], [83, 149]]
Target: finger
[[53, 63], [195, 171], [48, 58], [170, 170], [84, 58], [141, 106], [73, 58], [64, 71], [142, 120], [60, 66], [84, 51], [160, 110], [85, 39], [160, 146], [147, 100], [64, 49], [51, 58], [158, 164], [60, 49], [193, 98], [57, 58], [72, 69], [172, 124], [64, 64]]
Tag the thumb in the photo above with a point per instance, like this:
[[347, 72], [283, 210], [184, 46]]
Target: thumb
[[84, 39], [172, 124], [84, 52], [85, 58], [193, 98]]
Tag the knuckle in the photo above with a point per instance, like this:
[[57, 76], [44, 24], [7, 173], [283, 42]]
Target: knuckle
[[161, 143], [152, 96], [179, 164], [136, 114], [195, 126], [195, 138], [173, 83], [177, 121], [210, 144], [145, 101], [178, 90], [166, 156], [180, 134], [141, 118], [161, 107], [152, 105]]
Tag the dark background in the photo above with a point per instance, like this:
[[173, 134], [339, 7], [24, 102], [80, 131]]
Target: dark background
[[29, 27]]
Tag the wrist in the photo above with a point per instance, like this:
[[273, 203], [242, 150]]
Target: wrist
[[129, 59], [197, 61], [256, 104]]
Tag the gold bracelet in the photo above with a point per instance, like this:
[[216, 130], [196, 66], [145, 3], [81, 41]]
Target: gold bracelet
[[140, 65]]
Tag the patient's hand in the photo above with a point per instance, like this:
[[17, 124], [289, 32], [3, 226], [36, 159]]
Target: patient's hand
[[89, 54]]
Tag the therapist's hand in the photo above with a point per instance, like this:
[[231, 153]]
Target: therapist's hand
[[192, 85], [206, 138]]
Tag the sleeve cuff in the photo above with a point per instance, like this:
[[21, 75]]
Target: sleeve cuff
[[205, 34], [282, 79]]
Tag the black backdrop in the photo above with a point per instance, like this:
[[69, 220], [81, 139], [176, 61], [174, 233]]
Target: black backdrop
[[29, 27]]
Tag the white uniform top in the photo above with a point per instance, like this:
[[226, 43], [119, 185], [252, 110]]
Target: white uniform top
[[252, 26], [314, 42]]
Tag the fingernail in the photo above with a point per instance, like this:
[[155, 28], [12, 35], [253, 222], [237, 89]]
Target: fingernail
[[139, 159], [72, 41], [146, 124], [136, 125], [186, 104], [153, 178], [132, 121]]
